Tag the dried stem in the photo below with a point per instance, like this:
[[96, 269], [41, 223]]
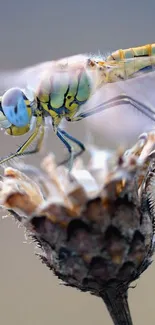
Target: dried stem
[[117, 305]]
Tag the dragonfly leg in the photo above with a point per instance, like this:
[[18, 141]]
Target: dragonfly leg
[[38, 145], [66, 139], [117, 101], [21, 150]]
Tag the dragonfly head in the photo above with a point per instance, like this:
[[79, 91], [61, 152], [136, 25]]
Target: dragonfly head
[[15, 108]]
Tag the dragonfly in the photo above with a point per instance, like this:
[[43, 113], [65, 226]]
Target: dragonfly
[[73, 88]]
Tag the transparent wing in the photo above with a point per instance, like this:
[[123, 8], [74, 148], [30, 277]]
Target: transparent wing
[[31, 76], [123, 123], [22, 78]]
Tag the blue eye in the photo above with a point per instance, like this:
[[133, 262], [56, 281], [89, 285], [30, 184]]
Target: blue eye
[[14, 107]]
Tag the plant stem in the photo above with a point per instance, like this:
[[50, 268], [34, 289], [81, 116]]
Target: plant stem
[[117, 304]]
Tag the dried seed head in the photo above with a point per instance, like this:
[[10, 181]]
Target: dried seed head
[[94, 225]]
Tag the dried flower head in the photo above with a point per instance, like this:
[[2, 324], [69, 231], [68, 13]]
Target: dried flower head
[[95, 225]]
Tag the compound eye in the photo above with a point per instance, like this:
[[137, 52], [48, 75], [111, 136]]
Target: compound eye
[[14, 107]]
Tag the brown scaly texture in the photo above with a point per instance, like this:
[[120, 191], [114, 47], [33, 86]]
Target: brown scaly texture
[[95, 226]]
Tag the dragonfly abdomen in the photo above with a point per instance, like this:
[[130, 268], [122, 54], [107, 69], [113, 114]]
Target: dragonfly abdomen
[[134, 52], [134, 60]]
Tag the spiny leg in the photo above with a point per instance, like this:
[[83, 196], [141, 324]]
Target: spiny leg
[[27, 143], [38, 145], [117, 101], [76, 141], [64, 137]]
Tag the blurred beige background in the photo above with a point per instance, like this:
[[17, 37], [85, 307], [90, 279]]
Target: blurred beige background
[[31, 32]]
